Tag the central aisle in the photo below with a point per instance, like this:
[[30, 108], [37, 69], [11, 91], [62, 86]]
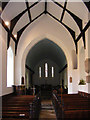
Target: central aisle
[[47, 110]]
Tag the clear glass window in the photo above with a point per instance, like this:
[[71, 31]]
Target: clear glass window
[[10, 67], [46, 70], [40, 72], [52, 71]]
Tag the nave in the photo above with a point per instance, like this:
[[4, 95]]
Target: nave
[[44, 59]]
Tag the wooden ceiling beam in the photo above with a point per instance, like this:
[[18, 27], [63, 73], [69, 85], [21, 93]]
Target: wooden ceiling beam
[[15, 20], [19, 33], [45, 6], [83, 31], [29, 14], [65, 4], [68, 28], [7, 29]]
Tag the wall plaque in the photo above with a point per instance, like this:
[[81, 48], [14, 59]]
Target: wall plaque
[[87, 65], [70, 79], [88, 79]]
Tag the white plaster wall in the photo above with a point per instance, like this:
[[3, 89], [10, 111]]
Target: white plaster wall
[[74, 59], [82, 56], [12, 44], [86, 88], [81, 60], [75, 80], [5, 90]]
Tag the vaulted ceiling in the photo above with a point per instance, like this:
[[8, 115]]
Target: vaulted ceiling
[[70, 14]]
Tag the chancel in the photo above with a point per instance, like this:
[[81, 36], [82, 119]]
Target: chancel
[[44, 59]]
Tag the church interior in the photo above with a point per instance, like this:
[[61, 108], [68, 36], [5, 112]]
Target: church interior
[[44, 59]]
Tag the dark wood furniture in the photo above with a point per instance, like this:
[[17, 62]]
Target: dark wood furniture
[[71, 106], [21, 107], [19, 90]]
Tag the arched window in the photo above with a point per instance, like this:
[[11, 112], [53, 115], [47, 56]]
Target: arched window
[[52, 71], [40, 72], [46, 70], [10, 67]]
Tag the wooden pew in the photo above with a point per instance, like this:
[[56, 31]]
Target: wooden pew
[[19, 107], [71, 106]]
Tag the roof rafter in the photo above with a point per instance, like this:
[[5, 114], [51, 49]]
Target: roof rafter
[[63, 10], [69, 29], [83, 31], [15, 20], [45, 6], [3, 5], [76, 19], [7, 29], [29, 14]]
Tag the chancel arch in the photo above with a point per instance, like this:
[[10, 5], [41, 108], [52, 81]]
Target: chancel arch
[[53, 39]]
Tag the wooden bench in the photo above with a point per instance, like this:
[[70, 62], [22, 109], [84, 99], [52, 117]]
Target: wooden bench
[[21, 107], [71, 106]]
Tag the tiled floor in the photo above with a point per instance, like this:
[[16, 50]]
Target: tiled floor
[[47, 111]]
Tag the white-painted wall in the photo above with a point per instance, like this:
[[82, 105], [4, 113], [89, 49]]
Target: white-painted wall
[[83, 54], [3, 67], [75, 80]]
